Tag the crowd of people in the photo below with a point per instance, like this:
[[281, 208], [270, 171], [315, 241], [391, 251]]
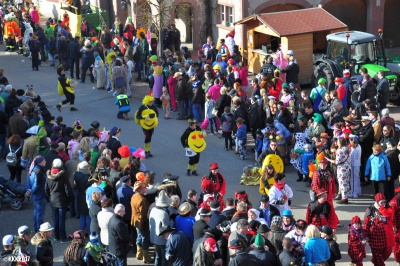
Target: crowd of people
[[339, 144]]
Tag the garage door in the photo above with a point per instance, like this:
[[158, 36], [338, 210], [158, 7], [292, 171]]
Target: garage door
[[345, 10], [281, 7], [391, 23]]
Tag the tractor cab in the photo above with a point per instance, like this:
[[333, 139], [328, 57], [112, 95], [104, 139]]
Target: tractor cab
[[353, 50]]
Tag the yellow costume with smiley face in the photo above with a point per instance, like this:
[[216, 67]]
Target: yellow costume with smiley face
[[147, 117], [193, 141]]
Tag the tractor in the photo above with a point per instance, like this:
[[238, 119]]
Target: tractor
[[353, 50]]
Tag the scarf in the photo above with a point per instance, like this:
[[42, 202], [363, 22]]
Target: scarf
[[54, 171], [279, 186]]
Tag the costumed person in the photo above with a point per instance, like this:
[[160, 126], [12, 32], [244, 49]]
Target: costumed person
[[65, 21], [124, 108], [280, 195], [251, 176], [395, 204], [323, 179], [28, 31], [208, 194], [193, 142], [230, 42], [379, 229], [147, 117], [355, 164], [11, 31], [34, 48], [242, 197], [276, 88], [307, 157], [357, 239], [321, 212], [66, 87], [281, 62], [318, 93], [217, 178], [99, 72], [267, 179], [295, 157], [94, 250], [156, 77]]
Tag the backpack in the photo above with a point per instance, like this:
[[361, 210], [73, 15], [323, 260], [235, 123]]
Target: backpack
[[11, 157]]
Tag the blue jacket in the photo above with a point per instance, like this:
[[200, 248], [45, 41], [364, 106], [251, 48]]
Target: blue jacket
[[241, 133], [178, 250], [316, 250], [124, 195], [89, 192], [378, 167], [259, 144], [123, 103], [185, 225], [36, 183]]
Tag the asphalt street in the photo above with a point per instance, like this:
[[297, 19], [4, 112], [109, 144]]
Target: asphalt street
[[169, 156]]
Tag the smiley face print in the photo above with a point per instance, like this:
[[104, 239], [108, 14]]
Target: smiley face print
[[196, 141], [151, 121]]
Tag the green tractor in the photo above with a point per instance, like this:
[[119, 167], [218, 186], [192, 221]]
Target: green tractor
[[353, 50]]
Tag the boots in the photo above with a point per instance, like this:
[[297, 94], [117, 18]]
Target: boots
[[146, 257], [139, 253], [300, 175]]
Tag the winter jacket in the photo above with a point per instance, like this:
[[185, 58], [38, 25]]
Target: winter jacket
[[58, 190], [227, 122], [124, 194], [103, 218], [94, 209], [265, 257], [89, 191], [87, 58], [44, 250], [366, 140], [221, 103], [158, 218], [243, 259], [18, 125], [140, 207], [178, 250], [36, 183], [180, 90], [118, 236], [368, 91], [203, 257], [315, 131], [185, 224], [50, 157], [241, 133], [198, 229], [334, 250], [254, 117], [7, 256], [74, 50], [292, 73], [287, 258], [81, 184], [378, 167], [216, 219], [316, 250]]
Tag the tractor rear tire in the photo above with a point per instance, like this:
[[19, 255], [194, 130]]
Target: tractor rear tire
[[323, 71]]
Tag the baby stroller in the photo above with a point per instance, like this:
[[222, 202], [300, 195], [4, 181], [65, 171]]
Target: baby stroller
[[11, 192]]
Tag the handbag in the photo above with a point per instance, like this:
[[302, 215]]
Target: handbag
[[204, 125]]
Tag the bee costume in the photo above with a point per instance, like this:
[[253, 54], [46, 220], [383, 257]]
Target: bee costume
[[66, 87]]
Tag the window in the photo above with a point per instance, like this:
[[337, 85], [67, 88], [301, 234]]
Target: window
[[230, 14], [222, 14]]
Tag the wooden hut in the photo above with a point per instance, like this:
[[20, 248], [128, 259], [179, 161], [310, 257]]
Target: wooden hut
[[303, 31]]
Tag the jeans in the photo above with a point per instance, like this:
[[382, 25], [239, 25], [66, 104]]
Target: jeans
[[196, 109], [84, 222], [121, 261], [120, 114], [181, 109], [53, 59], [3, 145], [143, 238], [39, 208], [188, 107], [59, 215], [74, 64], [160, 255], [212, 121], [72, 208], [15, 172], [84, 70]]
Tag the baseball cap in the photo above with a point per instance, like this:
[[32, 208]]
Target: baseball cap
[[8, 240], [24, 230], [212, 244]]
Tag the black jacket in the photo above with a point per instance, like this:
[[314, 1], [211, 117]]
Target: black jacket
[[368, 91], [383, 91], [366, 140], [335, 252], [50, 157], [58, 189], [265, 257], [114, 144], [7, 256], [81, 184], [44, 251], [198, 228], [287, 258], [243, 259], [216, 219], [74, 50], [221, 103], [292, 73], [118, 236], [228, 213], [193, 205], [254, 118]]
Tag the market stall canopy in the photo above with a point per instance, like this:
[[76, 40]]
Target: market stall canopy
[[295, 22]]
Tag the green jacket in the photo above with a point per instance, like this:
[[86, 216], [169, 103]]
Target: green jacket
[[315, 131], [207, 84]]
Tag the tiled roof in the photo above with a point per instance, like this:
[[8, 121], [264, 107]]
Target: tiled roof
[[300, 21]]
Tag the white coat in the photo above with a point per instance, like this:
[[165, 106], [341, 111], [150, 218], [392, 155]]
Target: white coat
[[103, 217]]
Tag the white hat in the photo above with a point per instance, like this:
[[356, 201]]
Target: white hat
[[82, 165], [23, 230], [8, 240], [33, 130], [57, 163], [271, 97], [346, 71], [290, 52], [45, 227]]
